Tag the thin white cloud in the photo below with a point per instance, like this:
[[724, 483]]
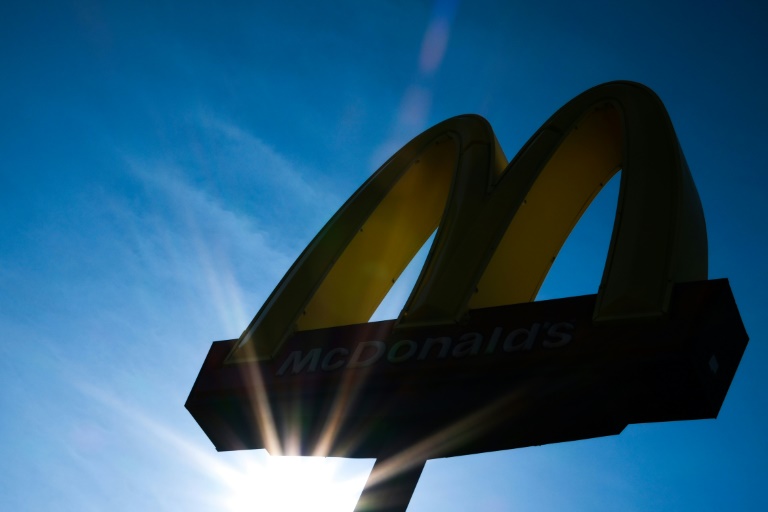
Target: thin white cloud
[[257, 159], [233, 253], [189, 237]]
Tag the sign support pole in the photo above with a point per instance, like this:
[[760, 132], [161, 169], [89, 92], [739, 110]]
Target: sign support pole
[[389, 488]]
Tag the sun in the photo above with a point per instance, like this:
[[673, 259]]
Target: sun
[[289, 484]]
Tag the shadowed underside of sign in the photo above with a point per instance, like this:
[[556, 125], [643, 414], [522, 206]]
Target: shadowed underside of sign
[[472, 364]]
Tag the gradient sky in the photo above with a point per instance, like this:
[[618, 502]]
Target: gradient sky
[[163, 164]]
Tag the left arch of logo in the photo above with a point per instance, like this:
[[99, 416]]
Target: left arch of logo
[[500, 225]]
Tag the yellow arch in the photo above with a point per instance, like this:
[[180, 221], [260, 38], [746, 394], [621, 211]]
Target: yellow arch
[[501, 226]]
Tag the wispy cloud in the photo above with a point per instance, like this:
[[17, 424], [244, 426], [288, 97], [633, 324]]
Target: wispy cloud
[[189, 236], [256, 159], [230, 253]]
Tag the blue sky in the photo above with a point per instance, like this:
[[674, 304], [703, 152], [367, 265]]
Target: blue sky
[[163, 164]]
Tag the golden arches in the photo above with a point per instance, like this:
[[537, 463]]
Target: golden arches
[[500, 226]]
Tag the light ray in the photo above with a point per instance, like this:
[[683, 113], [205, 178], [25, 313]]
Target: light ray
[[249, 483], [261, 409], [453, 435]]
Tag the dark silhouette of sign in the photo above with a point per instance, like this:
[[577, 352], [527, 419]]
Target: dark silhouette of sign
[[511, 376], [471, 365]]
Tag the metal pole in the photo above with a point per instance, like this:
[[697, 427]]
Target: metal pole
[[389, 488]]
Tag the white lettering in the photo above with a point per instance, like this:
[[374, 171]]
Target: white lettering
[[327, 365], [469, 344], [392, 356], [311, 359], [359, 360], [556, 332], [493, 341], [445, 343], [368, 353], [521, 339]]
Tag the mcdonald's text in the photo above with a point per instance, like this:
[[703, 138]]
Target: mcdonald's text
[[547, 335]]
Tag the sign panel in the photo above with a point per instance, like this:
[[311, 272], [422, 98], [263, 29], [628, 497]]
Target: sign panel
[[511, 376]]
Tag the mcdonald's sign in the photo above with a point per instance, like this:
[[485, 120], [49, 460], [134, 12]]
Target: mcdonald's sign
[[472, 363]]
